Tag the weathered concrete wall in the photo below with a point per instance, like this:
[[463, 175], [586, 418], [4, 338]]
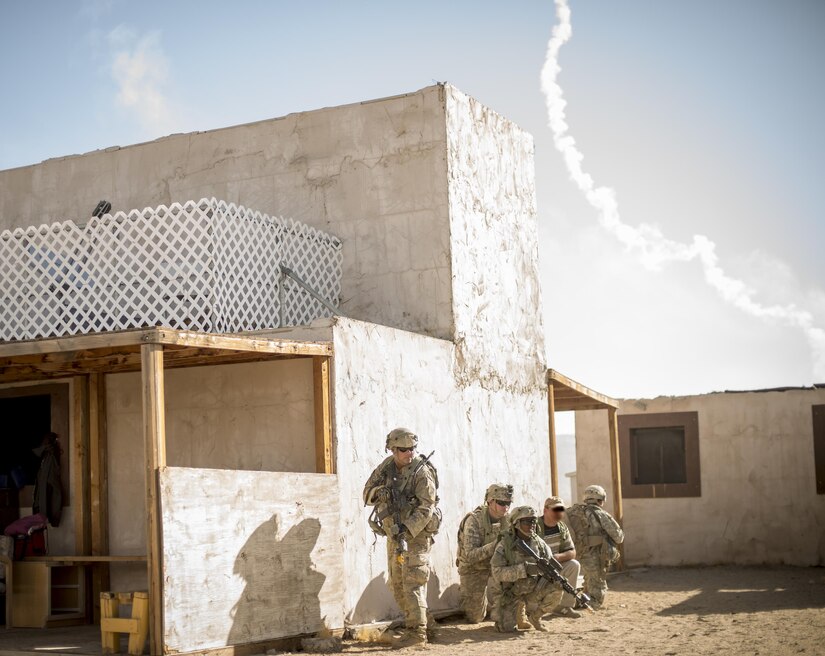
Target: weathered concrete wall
[[256, 416], [385, 378], [759, 502], [372, 173], [260, 564], [493, 246]]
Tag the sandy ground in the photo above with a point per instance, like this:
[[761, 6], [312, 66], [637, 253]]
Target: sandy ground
[[713, 610]]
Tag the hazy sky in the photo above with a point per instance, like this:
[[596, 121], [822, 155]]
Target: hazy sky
[[704, 117]]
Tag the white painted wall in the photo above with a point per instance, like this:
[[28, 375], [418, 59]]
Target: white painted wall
[[263, 562], [759, 503], [493, 247], [386, 378]]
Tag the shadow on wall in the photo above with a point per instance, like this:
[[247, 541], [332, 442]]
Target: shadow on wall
[[377, 603], [441, 600], [281, 596]]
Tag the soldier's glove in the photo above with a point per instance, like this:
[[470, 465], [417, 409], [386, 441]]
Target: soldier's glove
[[382, 494], [531, 568], [398, 531], [489, 549]]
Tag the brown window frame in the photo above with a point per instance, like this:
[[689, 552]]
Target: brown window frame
[[818, 420], [689, 421]]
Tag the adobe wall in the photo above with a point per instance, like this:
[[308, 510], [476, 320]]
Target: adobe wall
[[759, 503]]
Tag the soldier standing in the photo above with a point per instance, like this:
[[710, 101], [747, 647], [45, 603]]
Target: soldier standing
[[519, 576], [558, 538], [402, 490], [478, 535], [597, 534]]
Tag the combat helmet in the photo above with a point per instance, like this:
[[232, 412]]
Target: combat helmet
[[499, 492], [594, 493], [401, 437], [522, 512]]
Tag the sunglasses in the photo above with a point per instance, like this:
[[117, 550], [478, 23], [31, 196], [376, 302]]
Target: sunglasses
[[504, 504], [404, 449], [557, 509], [532, 522]]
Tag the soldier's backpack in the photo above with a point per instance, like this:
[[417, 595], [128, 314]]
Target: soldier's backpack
[[578, 521]]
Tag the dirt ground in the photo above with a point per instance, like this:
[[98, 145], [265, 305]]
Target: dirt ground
[[669, 611]]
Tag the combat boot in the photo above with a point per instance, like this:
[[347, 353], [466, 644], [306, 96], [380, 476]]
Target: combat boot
[[567, 612], [411, 638], [522, 623], [535, 620]]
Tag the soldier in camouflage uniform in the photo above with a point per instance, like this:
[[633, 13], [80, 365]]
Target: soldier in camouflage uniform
[[409, 525], [558, 538], [478, 535], [519, 577], [597, 535]]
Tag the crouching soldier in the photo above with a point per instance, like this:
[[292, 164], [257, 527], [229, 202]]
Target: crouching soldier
[[597, 535], [402, 490], [478, 535], [519, 576]]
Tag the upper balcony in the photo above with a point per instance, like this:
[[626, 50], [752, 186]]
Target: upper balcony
[[202, 265]]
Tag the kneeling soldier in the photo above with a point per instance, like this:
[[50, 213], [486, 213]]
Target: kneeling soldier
[[478, 535], [519, 577]]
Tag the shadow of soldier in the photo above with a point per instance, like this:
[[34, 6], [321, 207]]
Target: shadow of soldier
[[281, 593]]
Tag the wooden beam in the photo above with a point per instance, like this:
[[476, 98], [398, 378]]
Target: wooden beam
[[166, 336], [76, 342], [616, 469], [241, 343], [556, 377], [154, 434], [323, 416], [569, 405], [99, 489], [80, 463], [551, 413]]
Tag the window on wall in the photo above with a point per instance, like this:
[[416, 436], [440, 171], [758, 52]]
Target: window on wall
[[660, 455], [819, 447]]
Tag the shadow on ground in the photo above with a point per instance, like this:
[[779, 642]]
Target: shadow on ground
[[731, 589]]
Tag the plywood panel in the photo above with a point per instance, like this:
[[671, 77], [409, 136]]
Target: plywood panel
[[248, 556]]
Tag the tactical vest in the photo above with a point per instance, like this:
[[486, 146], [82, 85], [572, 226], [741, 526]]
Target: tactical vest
[[489, 533], [382, 518], [586, 527]]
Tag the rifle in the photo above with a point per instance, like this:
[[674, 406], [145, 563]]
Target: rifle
[[550, 569], [395, 506]]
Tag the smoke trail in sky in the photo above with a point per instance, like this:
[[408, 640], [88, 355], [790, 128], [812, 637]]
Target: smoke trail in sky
[[652, 247]]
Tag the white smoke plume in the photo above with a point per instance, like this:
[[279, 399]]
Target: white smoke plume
[[652, 247]]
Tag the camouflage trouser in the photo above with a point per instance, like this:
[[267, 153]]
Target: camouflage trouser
[[539, 597], [595, 583], [478, 593], [408, 578]]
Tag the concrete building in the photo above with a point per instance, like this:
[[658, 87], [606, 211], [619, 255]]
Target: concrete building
[[731, 477], [257, 466]]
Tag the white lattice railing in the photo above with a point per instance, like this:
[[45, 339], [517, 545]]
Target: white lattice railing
[[202, 265]]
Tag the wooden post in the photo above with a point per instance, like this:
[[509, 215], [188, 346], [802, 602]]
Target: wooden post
[[154, 434], [323, 416], [554, 466], [99, 492], [615, 464], [80, 463]]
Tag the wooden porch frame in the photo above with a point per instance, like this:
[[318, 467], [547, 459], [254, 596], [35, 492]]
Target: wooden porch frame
[[565, 394], [87, 358]]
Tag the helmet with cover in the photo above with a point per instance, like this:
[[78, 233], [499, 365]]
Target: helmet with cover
[[594, 493], [402, 437], [499, 492]]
